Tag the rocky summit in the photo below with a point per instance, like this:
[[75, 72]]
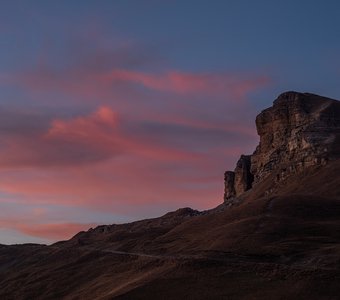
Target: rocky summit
[[300, 130]]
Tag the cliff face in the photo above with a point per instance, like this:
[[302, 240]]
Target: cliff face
[[300, 130], [240, 180]]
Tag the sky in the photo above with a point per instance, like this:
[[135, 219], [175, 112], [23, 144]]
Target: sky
[[114, 111]]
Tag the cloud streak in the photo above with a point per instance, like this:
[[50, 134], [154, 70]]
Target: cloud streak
[[81, 140], [117, 82], [189, 83]]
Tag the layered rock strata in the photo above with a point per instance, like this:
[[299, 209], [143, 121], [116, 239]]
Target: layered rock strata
[[300, 130]]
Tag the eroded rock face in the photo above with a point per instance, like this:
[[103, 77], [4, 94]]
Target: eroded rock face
[[298, 131], [243, 178], [239, 181]]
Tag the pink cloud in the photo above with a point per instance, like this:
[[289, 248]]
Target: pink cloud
[[91, 161], [119, 82], [50, 231], [132, 188], [102, 130], [124, 185], [56, 231], [187, 83], [82, 140]]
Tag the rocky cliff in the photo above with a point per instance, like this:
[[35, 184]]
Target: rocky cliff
[[240, 180], [300, 130]]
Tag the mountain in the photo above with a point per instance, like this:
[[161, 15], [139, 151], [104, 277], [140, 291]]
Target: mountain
[[275, 236]]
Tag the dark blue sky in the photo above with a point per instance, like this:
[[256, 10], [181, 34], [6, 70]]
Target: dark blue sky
[[116, 110]]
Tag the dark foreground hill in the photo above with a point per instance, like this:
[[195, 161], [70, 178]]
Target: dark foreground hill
[[276, 236]]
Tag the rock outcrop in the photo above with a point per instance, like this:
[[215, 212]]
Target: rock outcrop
[[229, 185], [240, 180], [300, 130], [243, 176]]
